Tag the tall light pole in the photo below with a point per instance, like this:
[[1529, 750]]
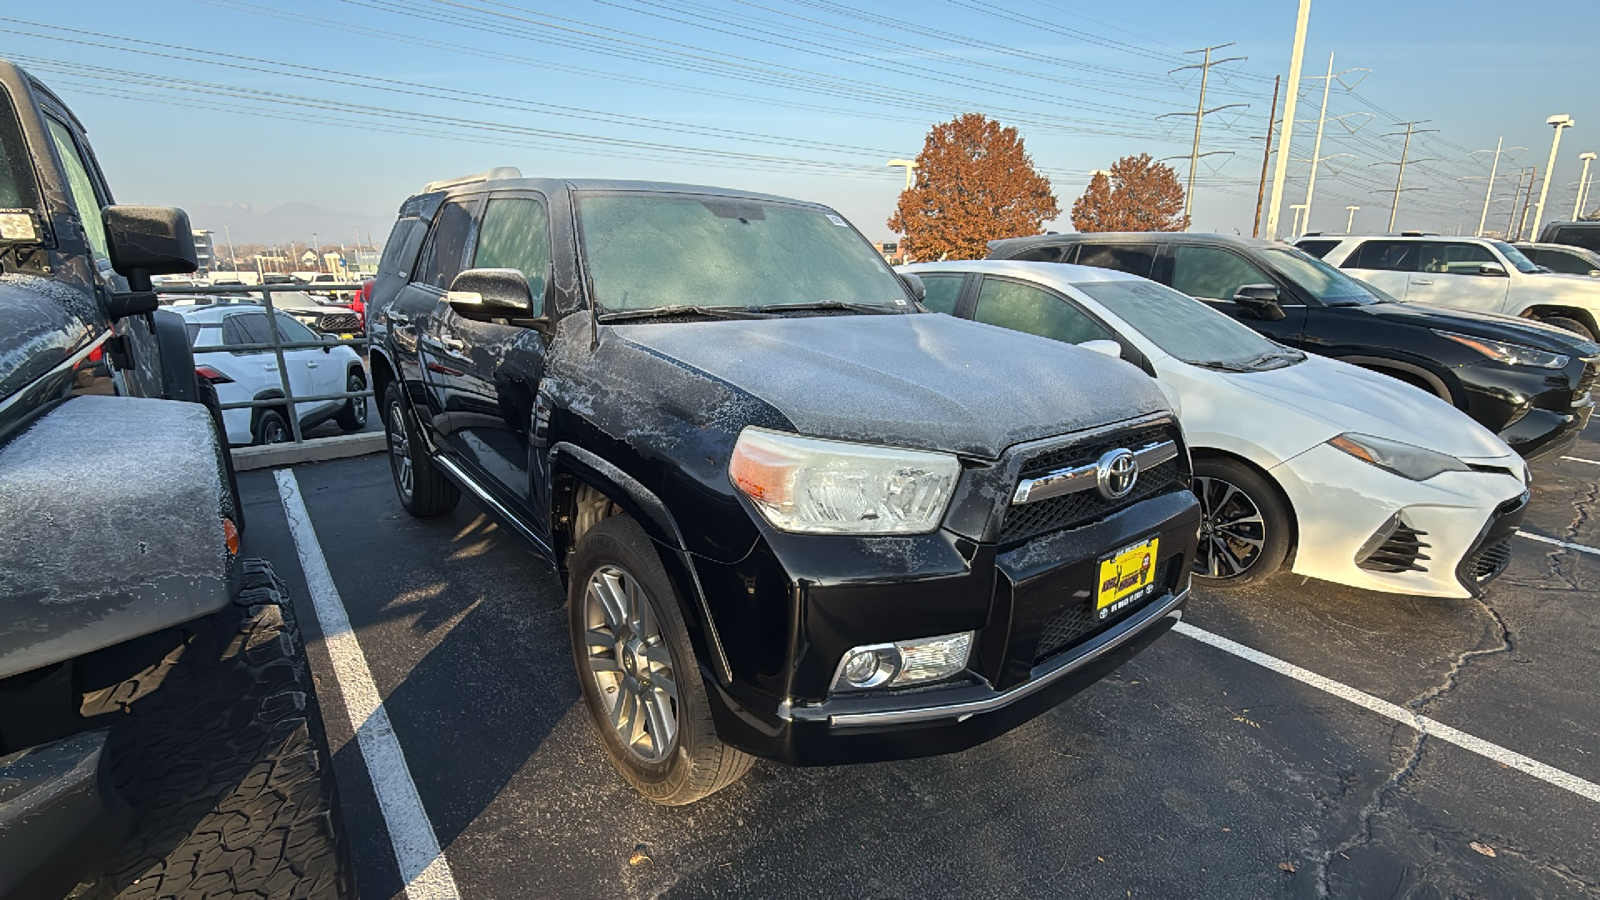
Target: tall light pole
[[1350, 221], [910, 167], [1583, 185], [1281, 169], [1558, 122]]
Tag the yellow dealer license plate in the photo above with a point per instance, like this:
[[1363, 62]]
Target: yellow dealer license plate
[[1126, 577], [346, 337]]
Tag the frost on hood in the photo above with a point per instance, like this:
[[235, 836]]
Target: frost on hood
[[111, 527]]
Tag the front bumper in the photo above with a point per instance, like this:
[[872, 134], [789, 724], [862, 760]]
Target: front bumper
[[1538, 412], [1037, 640], [1341, 503]]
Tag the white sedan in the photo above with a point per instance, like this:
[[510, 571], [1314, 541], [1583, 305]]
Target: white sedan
[[1360, 479], [244, 375]]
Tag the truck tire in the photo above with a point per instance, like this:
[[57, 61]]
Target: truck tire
[[638, 672], [207, 395], [1245, 525], [354, 415], [423, 489], [1569, 324]]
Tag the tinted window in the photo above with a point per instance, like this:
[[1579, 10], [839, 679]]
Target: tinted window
[[515, 235], [1389, 256], [651, 250], [1023, 307], [401, 250], [1135, 259], [1514, 256], [1322, 281], [447, 246], [1319, 249], [1039, 254], [292, 331], [1213, 273], [81, 185], [247, 328], [1587, 237], [1558, 261], [1449, 258], [943, 292], [1186, 328]]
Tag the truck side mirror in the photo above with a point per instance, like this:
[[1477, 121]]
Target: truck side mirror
[[1493, 270], [149, 240], [1261, 300], [488, 294]]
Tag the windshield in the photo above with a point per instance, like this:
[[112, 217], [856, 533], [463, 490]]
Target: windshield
[[1322, 281], [646, 251], [1188, 329], [1515, 257]]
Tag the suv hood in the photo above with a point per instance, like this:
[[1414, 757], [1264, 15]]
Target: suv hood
[[1484, 325], [924, 381], [1341, 397]]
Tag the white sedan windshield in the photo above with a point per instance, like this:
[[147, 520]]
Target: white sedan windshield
[[1188, 329]]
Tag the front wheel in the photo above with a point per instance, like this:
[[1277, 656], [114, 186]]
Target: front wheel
[[1244, 523], [637, 670], [1569, 324]]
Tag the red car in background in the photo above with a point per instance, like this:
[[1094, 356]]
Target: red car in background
[[358, 303]]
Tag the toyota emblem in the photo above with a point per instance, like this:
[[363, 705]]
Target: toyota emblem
[[1116, 472]]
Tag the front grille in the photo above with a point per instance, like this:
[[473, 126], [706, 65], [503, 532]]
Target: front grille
[[339, 322], [1585, 382], [1029, 520], [1077, 621], [1487, 564], [1401, 552]]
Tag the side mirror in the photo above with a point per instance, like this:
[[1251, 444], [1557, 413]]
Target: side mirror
[[1493, 270], [149, 240], [488, 294], [1261, 300], [1101, 345], [915, 285]]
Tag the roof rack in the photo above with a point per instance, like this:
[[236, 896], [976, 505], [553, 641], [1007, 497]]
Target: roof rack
[[1417, 233], [498, 173]]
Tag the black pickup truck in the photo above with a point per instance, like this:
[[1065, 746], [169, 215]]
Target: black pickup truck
[[798, 516]]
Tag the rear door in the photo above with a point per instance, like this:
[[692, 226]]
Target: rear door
[[430, 367], [266, 378], [1386, 264], [1447, 275], [1215, 274]]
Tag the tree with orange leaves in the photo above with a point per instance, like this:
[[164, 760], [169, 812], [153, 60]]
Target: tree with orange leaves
[[1139, 195], [974, 184]]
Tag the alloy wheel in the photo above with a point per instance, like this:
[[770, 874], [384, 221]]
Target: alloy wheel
[[1232, 530], [358, 405], [630, 663], [400, 449]]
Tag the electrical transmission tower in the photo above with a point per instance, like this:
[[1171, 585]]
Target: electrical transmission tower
[[1317, 159], [1400, 178], [1494, 172], [1200, 114]]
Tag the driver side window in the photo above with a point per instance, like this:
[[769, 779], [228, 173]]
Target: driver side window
[[1211, 273], [81, 185], [1023, 307]]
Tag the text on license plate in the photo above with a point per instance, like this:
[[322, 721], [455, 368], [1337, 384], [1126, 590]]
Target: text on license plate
[[1126, 577]]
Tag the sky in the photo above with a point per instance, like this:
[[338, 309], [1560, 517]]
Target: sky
[[333, 111]]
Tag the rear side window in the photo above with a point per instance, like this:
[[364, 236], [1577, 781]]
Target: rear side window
[[1387, 256], [447, 245], [246, 328], [1023, 307], [1578, 236], [515, 235], [943, 292], [1556, 261], [1040, 254], [1135, 259], [1319, 249], [400, 253], [1213, 273]]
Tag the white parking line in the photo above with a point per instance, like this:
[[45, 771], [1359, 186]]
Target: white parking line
[[1577, 459], [423, 868], [1550, 540], [1430, 727]]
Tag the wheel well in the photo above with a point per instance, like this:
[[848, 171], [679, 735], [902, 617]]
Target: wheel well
[[1294, 521], [256, 411], [382, 376], [1570, 312]]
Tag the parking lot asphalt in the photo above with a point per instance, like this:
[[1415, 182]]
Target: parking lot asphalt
[[1190, 772]]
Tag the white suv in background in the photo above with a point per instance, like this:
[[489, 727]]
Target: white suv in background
[[1464, 273]]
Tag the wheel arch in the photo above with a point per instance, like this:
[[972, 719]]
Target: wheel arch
[[572, 467], [1405, 371], [1198, 453], [1543, 310], [255, 411]]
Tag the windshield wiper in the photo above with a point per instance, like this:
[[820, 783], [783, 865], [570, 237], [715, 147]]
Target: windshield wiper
[[827, 304], [1270, 355], [1220, 364], [658, 312]]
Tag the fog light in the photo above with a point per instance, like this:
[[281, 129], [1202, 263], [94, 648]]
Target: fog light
[[903, 662]]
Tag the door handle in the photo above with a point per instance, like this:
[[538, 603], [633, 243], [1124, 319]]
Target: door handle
[[1421, 281], [270, 368], [311, 365]]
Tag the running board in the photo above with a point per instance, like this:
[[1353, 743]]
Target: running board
[[470, 485]]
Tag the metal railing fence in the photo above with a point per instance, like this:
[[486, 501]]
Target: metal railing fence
[[261, 295]]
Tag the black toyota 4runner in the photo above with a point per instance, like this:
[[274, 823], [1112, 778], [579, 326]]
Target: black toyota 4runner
[[798, 516]]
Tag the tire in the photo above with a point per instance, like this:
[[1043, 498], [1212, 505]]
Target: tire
[[423, 489], [1245, 526], [354, 415], [271, 428], [621, 604], [1569, 324], [207, 393]]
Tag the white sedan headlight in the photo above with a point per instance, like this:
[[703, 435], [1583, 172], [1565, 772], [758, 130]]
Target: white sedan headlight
[[1508, 353], [1406, 460], [814, 486]]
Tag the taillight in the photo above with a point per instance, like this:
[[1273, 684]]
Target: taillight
[[211, 374]]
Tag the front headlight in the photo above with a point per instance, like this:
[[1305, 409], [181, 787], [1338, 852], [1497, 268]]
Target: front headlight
[[1415, 463], [1510, 354], [814, 486]]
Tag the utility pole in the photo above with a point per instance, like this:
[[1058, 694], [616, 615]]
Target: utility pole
[[1200, 114], [1281, 170], [1272, 120], [1516, 203], [1400, 178], [1322, 121], [1583, 185], [234, 257], [1493, 171], [1558, 122], [1350, 222]]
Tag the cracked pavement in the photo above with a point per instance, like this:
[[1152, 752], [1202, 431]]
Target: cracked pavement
[[1188, 772]]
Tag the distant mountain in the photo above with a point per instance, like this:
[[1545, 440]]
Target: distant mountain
[[293, 221]]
